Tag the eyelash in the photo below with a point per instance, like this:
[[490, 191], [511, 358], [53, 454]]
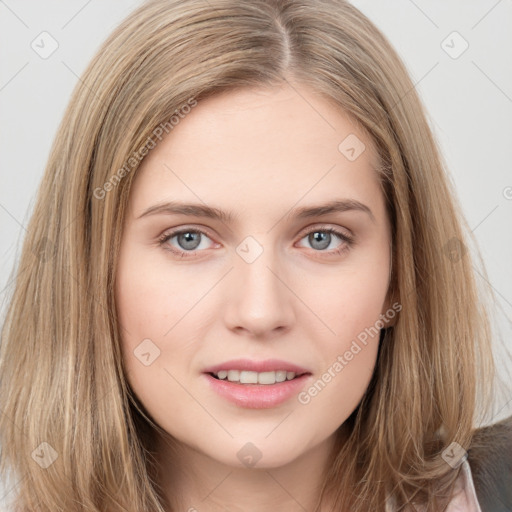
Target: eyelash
[[348, 241]]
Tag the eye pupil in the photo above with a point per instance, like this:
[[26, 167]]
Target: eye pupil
[[323, 237], [187, 240]]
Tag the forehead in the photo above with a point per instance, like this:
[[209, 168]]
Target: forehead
[[265, 145]]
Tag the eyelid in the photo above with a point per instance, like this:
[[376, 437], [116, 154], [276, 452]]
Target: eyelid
[[171, 233], [346, 239], [305, 231], [326, 227]]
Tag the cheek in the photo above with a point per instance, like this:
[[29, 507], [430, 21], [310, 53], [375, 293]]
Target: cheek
[[349, 299], [153, 305], [348, 356], [150, 298], [350, 303], [150, 305]]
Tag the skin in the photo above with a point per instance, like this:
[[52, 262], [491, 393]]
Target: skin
[[258, 153]]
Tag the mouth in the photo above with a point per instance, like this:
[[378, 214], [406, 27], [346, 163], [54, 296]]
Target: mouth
[[257, 390], [247, 377]]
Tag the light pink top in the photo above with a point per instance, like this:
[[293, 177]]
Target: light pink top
[[464, 498]]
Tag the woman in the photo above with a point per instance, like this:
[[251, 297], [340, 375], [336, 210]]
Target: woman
[[250, 286]]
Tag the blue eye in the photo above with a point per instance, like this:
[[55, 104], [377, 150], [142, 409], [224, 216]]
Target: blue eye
[[322, 238], [189, 241]]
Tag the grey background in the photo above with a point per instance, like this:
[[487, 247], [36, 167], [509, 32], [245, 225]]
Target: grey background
[[468, 99]]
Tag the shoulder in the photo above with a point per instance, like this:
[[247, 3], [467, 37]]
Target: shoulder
[[490, 460]]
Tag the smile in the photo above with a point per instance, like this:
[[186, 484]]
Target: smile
[[250, 377], [254, 395]]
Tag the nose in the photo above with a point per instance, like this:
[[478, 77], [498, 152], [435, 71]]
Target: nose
[[260, 301]]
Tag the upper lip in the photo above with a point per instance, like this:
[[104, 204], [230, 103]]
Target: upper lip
[[268, 365]]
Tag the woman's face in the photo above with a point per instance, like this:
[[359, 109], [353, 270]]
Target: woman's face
[[255, 275]]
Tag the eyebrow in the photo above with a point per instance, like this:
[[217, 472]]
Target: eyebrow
[[305, 212]]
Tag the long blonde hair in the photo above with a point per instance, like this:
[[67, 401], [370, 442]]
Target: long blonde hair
[[63, 388]]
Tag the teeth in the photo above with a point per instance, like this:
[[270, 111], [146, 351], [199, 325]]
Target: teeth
[[233, 375], [247, 377], [280, 375]]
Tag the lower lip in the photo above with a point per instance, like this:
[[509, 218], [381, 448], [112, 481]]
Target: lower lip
[[257, 396]]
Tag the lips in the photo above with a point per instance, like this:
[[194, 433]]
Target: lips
[[263, 394], [256, 396], [268, 365]]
